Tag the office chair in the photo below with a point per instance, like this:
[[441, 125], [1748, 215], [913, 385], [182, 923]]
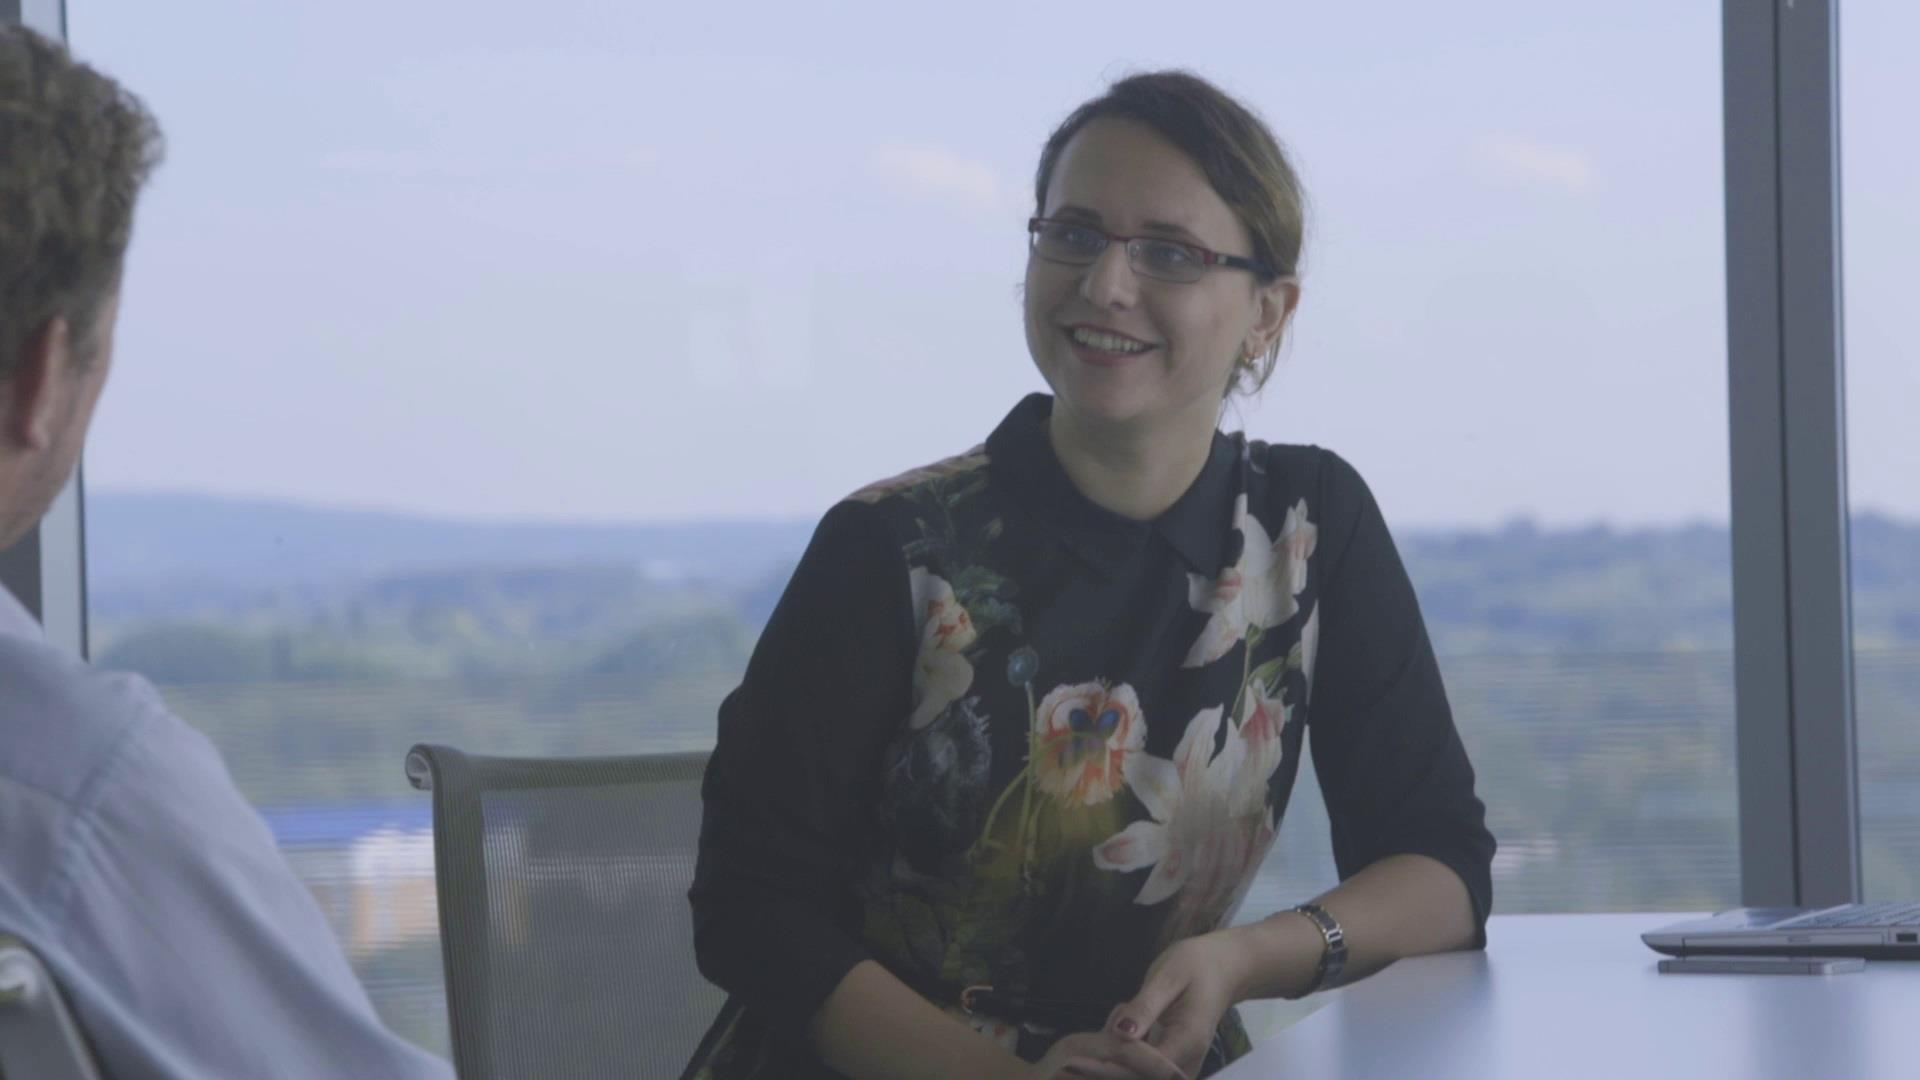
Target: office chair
[[38, 1037], [564, 923]]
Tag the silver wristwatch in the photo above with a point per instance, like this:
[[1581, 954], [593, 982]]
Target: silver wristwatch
[[1333, 956]]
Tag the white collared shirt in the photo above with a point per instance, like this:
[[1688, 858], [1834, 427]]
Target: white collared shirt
[[156, 894]]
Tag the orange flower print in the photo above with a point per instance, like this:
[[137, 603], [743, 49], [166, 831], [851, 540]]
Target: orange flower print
[[1085, 735]]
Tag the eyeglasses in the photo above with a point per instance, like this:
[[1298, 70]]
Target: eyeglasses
[[1076, 243]]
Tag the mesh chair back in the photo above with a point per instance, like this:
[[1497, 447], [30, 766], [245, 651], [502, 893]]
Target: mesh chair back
[[563, 912], [38, 1038]]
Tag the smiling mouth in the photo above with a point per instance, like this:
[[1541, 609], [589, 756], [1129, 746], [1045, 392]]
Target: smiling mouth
[[1104, 345]]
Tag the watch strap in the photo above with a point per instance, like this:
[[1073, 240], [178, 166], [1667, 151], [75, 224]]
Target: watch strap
[[1333, 953]]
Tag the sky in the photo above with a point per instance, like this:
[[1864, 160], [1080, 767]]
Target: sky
[[608, 261]]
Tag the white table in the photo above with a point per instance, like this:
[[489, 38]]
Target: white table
[[1579, 996]]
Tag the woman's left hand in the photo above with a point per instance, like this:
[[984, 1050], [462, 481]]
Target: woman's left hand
[[1186, 992]]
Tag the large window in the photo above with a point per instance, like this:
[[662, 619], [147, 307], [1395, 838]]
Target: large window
[[1881, 172], [1514, 325], [480, 376]]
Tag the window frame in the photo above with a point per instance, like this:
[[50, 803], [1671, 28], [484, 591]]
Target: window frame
[[46, 569], [1798, 773]]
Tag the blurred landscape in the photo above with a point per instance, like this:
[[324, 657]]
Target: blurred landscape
[[1590, 671]]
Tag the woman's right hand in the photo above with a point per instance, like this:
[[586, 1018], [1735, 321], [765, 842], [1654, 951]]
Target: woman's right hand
[[1103, 1056]]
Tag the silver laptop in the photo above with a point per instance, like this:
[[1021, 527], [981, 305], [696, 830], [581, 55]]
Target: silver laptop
[[1874, 931]]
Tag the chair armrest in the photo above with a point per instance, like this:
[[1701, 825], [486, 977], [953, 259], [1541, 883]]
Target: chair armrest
[[419, 769]]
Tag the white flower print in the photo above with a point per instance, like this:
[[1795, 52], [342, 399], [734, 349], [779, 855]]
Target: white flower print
[[1309, 647], [1263, 719], [1261, 590], [1210, 818], [941, 672]]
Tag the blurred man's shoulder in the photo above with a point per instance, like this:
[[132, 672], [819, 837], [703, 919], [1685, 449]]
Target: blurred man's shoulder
[[62, 721]]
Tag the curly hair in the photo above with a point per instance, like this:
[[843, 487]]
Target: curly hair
[[75, 149], [1233, 147]]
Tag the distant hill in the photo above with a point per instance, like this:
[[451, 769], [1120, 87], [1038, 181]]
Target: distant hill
[[151, 544], [1517, 588]]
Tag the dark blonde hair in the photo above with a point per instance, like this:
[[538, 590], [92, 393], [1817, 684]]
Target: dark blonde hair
[[1236, 152], [75, 149]]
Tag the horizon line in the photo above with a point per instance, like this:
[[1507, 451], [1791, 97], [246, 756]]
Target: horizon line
[[1508, 523]]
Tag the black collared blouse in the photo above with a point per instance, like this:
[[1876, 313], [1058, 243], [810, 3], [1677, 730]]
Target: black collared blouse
[[996, 734]]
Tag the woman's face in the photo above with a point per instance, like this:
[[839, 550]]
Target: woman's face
[[1122, 349]]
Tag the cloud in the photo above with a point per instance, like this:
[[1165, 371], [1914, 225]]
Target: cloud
[[501, 164], [1515, 158], [939, 172]]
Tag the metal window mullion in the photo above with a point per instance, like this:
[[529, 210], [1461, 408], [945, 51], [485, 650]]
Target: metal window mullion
[[63, 569], [46, 568], [1762, 686], [20, 563], [1799, 835], [1826, 787]]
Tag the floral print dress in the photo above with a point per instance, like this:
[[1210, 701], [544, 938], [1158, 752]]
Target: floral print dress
[[994, 734]]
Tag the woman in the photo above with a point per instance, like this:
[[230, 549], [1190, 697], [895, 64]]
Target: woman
[[1027, 718]]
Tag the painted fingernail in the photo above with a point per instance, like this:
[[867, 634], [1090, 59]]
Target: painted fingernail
[[1127, 1027]]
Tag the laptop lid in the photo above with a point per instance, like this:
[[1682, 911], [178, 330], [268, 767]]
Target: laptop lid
[[1872, 931]]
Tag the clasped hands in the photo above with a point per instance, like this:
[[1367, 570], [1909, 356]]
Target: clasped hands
[[1165, 1031]]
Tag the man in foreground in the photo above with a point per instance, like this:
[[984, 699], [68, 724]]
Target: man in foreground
[[128, 860]]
